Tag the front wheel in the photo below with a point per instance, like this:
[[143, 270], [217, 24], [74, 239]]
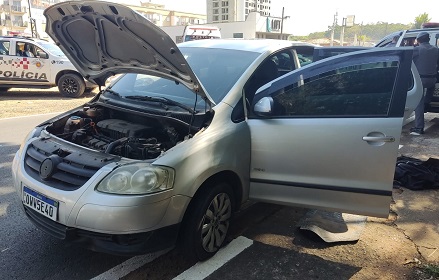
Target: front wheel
[[71, 85], [208, 221]]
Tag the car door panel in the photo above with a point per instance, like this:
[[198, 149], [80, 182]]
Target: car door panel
[[335, 146]]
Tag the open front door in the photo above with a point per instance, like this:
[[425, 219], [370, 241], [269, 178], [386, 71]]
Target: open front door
[[326, 136]]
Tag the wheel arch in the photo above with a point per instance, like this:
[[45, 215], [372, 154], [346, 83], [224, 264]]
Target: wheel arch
[[226, 176], [67, 71]]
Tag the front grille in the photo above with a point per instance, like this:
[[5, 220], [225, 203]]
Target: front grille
[[53, 228], [71, 168]]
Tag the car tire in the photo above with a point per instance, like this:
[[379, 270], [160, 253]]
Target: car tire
[[208, 221], [71, 85]]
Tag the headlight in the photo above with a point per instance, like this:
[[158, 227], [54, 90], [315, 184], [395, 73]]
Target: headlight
[[137, 179]]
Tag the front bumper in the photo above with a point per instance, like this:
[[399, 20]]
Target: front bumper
[[117, 244], [116, 224]]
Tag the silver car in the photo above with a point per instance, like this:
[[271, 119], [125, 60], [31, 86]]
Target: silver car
[[187, 134]]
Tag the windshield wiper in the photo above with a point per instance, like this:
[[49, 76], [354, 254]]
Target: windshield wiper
[[112, 92], [162, 100]]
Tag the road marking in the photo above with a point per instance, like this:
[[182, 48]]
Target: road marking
[[31, 116], [203, 269], [400, 146], [128, 266]]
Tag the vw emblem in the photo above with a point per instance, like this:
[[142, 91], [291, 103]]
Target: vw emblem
[[47, 168]]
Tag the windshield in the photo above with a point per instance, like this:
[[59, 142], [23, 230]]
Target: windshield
[[52, 48], [217, 69]]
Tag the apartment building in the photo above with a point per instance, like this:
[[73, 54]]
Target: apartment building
[[235, 10], [165, 17], [16, 16]]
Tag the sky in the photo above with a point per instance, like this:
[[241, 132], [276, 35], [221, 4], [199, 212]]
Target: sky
[[314, 16]]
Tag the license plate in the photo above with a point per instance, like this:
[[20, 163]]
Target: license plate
[[40, 203]]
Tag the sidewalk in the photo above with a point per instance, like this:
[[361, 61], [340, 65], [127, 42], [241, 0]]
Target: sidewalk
[[418, 211]]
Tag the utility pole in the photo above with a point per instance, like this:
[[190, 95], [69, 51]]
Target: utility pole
[[33, 26], [334, 24], [343, 24], [282, 23]]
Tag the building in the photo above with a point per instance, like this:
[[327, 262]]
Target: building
[[245, 18], [16, 16], [164, 17], [235, 10]]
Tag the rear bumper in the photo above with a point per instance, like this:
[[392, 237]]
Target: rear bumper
[[116, 244]]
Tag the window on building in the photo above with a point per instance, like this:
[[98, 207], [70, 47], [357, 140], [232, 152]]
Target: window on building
[[215, 18], [238, 35], [215, 11], [225, 10], [225, 17], [225, 3]]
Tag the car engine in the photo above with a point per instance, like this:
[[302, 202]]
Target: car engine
[[118, 133]]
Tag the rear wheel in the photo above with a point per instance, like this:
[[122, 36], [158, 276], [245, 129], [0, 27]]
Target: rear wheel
[[208, 221], [71, 85]]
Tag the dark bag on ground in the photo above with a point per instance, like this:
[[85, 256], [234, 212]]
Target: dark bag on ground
[[416, 174]]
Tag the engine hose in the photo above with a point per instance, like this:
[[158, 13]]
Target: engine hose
[[115, 143]]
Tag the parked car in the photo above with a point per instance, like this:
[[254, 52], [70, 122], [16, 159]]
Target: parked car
[[407, 38], [187, 134], [32, 63]]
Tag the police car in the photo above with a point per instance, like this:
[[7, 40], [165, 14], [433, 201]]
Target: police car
[[34, 63]]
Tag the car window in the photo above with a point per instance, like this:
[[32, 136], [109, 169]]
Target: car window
[[284, 61], [52, 48], [408, 41], [39, 52], [305, 54], [24, 49], [147, 85], [218, 69], [4, 47], [359, 90], [19, 48]]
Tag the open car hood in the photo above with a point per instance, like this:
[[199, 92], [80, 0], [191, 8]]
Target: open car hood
[[102, 39]]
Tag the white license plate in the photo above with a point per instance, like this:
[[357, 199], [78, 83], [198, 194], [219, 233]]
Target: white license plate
[[40, 203]]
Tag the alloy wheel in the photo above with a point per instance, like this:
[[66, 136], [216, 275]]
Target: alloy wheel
[[215, 222]]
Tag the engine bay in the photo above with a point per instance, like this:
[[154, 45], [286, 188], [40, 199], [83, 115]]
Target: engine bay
[[122, 133]]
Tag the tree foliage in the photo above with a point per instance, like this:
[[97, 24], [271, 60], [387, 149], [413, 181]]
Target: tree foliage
[[419, 20], [371, 32], [365, 32]]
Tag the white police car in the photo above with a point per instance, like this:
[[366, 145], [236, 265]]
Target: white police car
[[33, 63]]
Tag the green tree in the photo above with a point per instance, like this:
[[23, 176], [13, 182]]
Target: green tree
[[419, 20]]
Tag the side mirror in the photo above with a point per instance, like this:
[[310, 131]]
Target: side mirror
[[42, 55], [264, 107]]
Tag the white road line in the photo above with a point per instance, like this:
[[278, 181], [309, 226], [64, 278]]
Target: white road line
[[203, 269], [400, 146], [128, 266]]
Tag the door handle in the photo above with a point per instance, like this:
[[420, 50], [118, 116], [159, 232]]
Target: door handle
[[379, 138]]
